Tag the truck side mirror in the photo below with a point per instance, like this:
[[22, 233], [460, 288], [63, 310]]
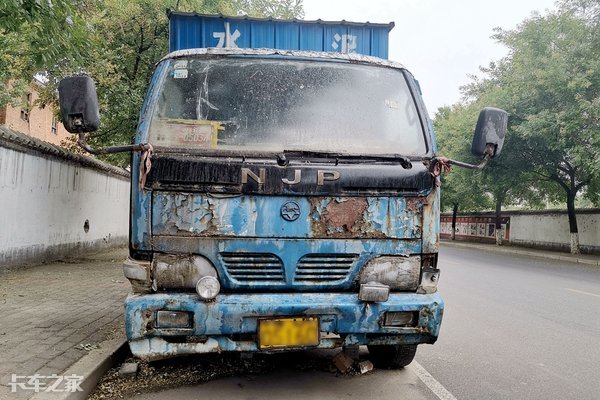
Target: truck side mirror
[[489, 132], [79, 104]]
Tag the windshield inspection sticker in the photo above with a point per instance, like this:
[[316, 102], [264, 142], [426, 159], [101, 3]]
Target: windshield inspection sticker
[[180, 64], [180, 73], [392, 104]]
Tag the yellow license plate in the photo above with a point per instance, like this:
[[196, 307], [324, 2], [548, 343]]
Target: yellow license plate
[[288, 332]]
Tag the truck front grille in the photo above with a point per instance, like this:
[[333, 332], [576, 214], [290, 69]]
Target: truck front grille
[[253, 267], [320, 268]]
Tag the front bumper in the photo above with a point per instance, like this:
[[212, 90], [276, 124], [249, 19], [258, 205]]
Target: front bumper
[[230, 322]]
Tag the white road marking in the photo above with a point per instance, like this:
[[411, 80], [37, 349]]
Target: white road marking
[[582, 292], [431, 382]]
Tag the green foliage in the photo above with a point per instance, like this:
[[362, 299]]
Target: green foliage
[[556, 64], [34, 36], [454, 126], [286, 9], [550, 85]]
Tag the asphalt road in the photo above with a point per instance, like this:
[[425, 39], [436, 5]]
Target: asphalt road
[[296, 379], [514, 328]]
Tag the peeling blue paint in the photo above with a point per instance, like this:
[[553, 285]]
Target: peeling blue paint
[[140, 230], [231, 314], [194, 214]]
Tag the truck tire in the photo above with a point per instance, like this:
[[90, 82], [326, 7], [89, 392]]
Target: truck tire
[[392, 356]]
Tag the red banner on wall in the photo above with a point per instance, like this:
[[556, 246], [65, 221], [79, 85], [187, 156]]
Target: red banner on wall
[[479, 228]]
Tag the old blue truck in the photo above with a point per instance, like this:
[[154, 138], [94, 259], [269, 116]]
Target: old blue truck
[[285, 192]]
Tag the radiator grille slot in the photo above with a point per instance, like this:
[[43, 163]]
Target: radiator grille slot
[[253, 267], [319, 268]]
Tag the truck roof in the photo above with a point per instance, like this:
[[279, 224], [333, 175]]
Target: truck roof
[[192, 30], [299, 54]]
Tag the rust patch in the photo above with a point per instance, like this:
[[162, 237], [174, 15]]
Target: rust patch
[[315, 203], [430, 218], [341, 218], [345, 214], [414, 204]]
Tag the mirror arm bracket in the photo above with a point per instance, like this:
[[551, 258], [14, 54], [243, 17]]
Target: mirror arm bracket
[[82, 142], [479, 166], [490, 149]]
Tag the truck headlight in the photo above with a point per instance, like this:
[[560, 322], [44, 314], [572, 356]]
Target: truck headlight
[[208, 288], [180, 272], [398, 272]]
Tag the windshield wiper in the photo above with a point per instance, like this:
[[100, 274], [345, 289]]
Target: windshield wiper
[[312, 153], [403, 160]]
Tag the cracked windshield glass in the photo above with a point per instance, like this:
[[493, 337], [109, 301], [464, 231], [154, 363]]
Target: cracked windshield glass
[[276, 105]]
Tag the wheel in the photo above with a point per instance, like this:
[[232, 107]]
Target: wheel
[[392, 356]]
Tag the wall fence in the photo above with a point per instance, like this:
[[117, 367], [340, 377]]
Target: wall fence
[[55, 204], [544, 229]]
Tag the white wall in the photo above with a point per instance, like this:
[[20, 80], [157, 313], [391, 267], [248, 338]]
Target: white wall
[[538, 229], [45, 201], [552, 230]]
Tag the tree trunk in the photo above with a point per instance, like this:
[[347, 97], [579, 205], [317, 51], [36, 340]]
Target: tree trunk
[[454, 212], [498, 229], [573, 222]]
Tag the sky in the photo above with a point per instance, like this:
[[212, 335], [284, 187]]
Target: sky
[[440, 41]]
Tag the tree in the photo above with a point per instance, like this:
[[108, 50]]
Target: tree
[[507, 179], [34, 35], [461, 188], [286, 9], [550, 85], [552, 78]]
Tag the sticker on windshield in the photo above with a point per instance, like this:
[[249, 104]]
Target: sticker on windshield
[[180, 64], [180, 73], [392, 104], [188, 132]]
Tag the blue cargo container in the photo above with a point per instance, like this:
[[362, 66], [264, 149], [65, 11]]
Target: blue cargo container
[[188, 31]]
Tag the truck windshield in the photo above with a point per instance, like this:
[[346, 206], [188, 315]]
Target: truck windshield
[[274, 105]]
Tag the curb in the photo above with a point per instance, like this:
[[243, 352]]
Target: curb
[[515, 250], [92, 367]]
